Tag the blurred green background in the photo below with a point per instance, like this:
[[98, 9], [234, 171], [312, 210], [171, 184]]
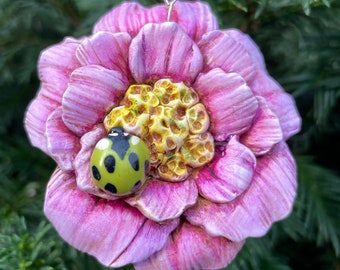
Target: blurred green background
[[300, 40]]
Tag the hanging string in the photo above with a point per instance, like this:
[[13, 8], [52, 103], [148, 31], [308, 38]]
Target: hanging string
[[170, 4]]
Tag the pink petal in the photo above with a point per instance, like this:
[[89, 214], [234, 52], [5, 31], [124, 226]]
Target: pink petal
[[281, 103], [191, 247], [62, 145], [107, 50], [195, 18], [222, 51], [128, 17], [92, 92], [112, 231], [229, 175], [250, 46], [151, 238], [269, 198], [228, 99], [162, 200], [35, 121], [164, 50], [265, 132], [82, 163], [55, 66]]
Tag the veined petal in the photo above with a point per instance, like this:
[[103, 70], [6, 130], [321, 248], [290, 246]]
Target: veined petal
[[269, 198], [82, 163], [55, 65], [151, 238], [155, 53], [228, 99], [108, 230], [196, 18], [109, 50], [92, 92], [62, 144], [190, 247], [222, 51], [162, 200], [128, 17], [281, 103], [229, 175], [35, 121], [265, 131], [250, 46]]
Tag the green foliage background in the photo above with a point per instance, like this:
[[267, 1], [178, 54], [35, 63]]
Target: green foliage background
[[300, 40]]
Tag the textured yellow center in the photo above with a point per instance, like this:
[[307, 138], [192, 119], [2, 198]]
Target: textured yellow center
[[170, 120]]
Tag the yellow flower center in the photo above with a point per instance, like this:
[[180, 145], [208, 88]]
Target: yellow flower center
[[170, 120]]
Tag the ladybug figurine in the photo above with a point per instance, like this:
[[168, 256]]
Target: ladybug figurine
[[120, 162]]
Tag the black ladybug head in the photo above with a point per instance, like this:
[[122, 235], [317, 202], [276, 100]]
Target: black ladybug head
[[120, 141], [116, 132]]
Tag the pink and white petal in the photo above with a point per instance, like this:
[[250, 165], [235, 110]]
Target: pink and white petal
[[196, 18], [92, 92], [222, 51], [250, 46], [151, 238], [281, 103], [269, 198], [109, 50], [265, 131], [129, 17], [62, 144], [81, 163], [55, 66], [35, 121], [191, 247], [229, 175], [229, 101], [154, 54], [105, 229], [162, 200]]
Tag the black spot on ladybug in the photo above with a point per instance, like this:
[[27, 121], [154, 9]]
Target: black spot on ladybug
[[111, 188], [110, 163], [146, 167], [96, 173], [133, 159], [137, 185]]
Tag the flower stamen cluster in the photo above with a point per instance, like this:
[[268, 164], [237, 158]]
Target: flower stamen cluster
[[170, 120]]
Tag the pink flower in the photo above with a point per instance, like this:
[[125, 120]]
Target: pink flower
[[220, 170]]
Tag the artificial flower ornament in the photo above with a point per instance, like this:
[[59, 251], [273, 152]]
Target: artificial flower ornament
[[169, 138]]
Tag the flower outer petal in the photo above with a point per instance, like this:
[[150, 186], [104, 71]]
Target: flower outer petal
[[191, 247], [128, 17], [229, 175], [229, 101], [55, 66], [109, 50], [265, 131], [268, 199], [92, 92], [250, 46], [164, 50], [195, 18], [112, 231], [280, 102], [35, 121], [62, 144], [222, 51], [162, 200], [81, 163]]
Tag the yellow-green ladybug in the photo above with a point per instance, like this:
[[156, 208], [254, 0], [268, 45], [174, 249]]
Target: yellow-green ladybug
[[120, 162]]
